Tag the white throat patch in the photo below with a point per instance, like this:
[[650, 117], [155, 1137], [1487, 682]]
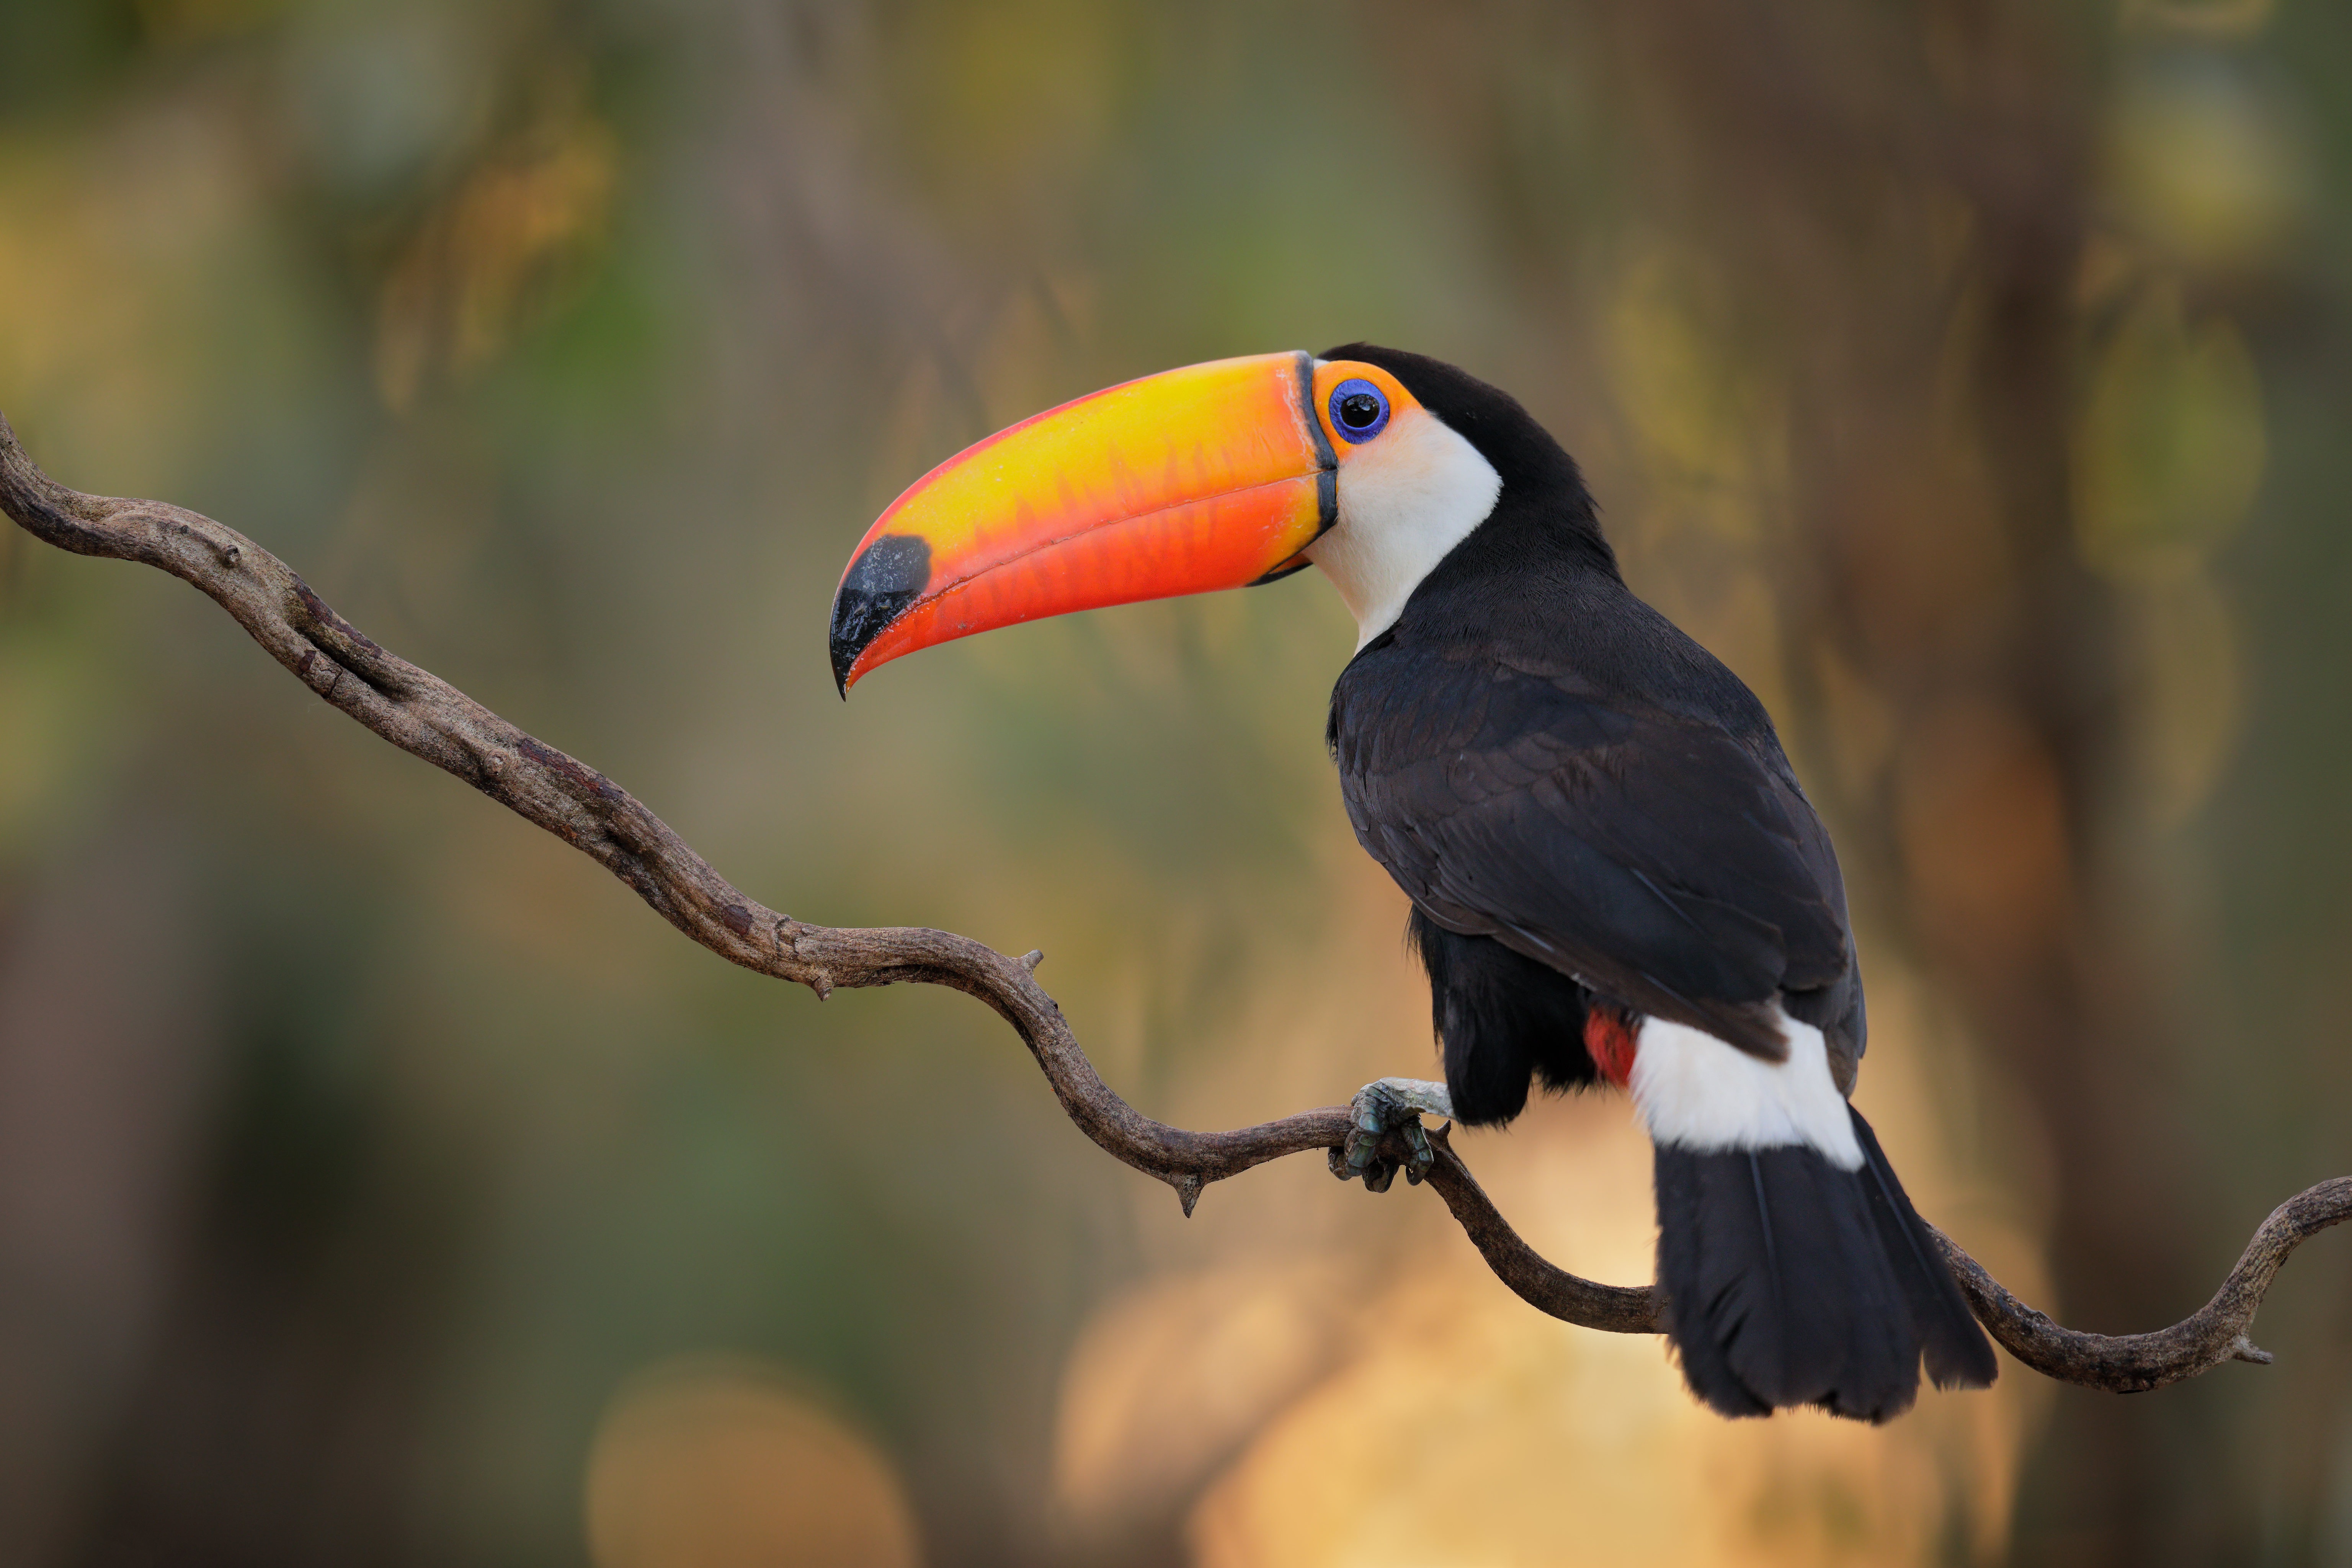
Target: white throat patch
[[1406, 498]]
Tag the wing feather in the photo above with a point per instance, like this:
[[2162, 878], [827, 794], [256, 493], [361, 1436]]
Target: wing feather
[[1657, 858]]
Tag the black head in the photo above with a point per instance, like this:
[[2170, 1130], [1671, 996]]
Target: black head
[[1543, 491], [1489, 418]]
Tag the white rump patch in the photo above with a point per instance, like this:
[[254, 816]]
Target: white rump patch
[[1695, 1092], [1406, 498]]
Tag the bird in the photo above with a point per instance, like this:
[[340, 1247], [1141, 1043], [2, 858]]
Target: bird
[[1614, 874]]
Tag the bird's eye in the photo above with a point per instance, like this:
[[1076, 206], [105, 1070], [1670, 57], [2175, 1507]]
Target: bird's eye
[[1360, 411]]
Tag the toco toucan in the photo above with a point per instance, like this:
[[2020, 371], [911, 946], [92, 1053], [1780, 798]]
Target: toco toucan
[[1615, 877]]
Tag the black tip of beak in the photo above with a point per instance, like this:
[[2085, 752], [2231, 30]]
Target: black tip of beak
[[887, 575]]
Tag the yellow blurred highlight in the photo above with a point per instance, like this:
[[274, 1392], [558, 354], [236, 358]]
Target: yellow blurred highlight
[[1710, 437], [494, 257], [712, 1462], [2169, 459], [1474, 1431], [109, 258], [1438, 1420], [1391, 1401], [988, 92], [2171, 447], [1172, 1378], [2199, 158]]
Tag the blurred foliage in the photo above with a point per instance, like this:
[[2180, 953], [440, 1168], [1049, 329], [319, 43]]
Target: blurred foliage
[[381, 1183]]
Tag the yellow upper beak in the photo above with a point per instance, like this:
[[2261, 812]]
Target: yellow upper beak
[[1215, 476]]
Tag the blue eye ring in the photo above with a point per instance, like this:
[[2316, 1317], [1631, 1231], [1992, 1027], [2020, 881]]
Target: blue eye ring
[[1351, 395]]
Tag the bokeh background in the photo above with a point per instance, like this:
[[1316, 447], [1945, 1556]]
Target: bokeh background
[[379, 1183]]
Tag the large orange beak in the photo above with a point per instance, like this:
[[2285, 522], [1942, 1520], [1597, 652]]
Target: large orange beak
[[1215, 476]]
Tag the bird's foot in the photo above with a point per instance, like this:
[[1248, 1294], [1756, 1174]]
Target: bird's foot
[[1391, 1105]]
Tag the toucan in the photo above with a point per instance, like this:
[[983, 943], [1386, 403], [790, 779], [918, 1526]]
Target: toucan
[[1615, 878]]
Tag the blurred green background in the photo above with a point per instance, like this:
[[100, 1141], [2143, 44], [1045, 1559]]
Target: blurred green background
[[381, 1183]]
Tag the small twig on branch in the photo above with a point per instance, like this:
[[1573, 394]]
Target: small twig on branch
[[428, 717]]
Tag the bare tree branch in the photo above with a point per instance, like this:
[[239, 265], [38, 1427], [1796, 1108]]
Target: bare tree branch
[[428, 717]]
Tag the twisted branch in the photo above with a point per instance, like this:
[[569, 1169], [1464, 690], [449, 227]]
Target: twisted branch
[[428, 717]]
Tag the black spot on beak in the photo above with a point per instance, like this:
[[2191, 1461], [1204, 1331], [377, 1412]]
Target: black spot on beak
[[883, 581]]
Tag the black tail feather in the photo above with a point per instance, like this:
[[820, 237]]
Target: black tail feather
[[1791, 1281], [1957, 1353]]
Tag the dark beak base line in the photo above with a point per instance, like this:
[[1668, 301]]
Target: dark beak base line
[[1326, 478]]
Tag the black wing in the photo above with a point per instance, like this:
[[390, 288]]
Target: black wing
[[1656, 859]]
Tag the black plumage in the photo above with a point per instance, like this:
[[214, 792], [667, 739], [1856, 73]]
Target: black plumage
[[1955, 1349], [1587, 808], [1793, 1282], [1779, 1289], [1500, 1018]]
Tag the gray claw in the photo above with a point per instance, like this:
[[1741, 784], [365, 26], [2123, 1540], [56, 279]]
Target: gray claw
[[1391, 1105], [1417, 1140]]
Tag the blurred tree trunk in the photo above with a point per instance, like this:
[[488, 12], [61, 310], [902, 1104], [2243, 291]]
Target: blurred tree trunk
[[1912, 221], [1891, 206]]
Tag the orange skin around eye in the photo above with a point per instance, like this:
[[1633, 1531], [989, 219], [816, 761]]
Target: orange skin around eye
[[1329, 374]]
